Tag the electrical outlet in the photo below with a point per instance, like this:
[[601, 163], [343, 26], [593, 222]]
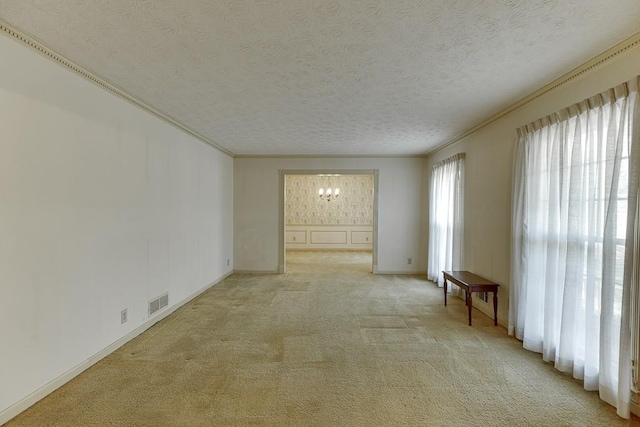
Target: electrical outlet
[[409, 261], [123, 316]]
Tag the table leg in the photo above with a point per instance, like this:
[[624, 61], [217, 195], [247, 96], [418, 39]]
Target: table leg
[[495, 308], [445, 291], [469, 305]]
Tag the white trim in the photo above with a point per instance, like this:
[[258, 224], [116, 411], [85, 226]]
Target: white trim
[[23, 404], [282, 173], [579, 71], [336, 249], [593, 63], [481, 306], [94, 78], [398, 272], [256, 272], [328, 156], [487, 309]]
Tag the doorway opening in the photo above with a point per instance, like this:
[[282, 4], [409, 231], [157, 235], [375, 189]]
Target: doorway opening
[[316, 225]]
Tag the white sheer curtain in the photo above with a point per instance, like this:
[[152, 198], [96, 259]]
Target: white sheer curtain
[[446, 217], [573, 222]]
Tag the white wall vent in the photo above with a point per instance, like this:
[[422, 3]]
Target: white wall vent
[[158, 304], [164, 301], [484, 296]]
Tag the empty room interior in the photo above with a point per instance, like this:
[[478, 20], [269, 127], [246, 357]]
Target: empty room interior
[[319, 213]]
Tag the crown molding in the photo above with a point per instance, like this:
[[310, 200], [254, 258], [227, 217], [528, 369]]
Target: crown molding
[[87, 74], [94, 78], [327, 156], [595, 62], [328, 172]]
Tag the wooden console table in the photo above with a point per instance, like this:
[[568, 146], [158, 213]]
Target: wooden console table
[[472, 283]]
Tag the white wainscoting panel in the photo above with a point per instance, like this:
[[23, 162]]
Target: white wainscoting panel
[[329, 237], [361, 237], [296, 236], [357, 237]]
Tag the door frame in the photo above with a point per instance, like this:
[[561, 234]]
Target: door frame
[[282, 264]]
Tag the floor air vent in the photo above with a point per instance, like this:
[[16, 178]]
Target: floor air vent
[[484, 296], [158, 304]]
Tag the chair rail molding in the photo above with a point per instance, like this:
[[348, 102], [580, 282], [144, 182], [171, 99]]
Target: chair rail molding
[[34, 44]]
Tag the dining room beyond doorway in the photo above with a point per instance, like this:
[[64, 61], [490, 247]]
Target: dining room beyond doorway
[[330, 213]]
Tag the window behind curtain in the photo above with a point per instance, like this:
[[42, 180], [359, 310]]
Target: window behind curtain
[[574, 204], [446, 207]]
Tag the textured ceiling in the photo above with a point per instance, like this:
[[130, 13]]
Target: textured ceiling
[[327, 76]]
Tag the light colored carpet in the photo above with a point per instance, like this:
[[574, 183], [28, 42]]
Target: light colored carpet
[[327, 344]]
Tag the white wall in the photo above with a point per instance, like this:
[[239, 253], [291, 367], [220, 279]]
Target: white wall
[[488, 165], [102, 207], [401, 215]]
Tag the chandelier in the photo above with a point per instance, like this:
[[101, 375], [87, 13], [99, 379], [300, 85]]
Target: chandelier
[[329, 194]]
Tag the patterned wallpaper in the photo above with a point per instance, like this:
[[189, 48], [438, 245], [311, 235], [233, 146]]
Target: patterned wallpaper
[[353, 207]]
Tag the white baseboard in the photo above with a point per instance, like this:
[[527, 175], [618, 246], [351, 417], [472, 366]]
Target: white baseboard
[[407, 273], [256, 272], [53, 385], [483, 307], [488, 310], [331, 248]]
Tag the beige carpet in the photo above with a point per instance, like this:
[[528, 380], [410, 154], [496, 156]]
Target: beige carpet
[[327, 344]]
